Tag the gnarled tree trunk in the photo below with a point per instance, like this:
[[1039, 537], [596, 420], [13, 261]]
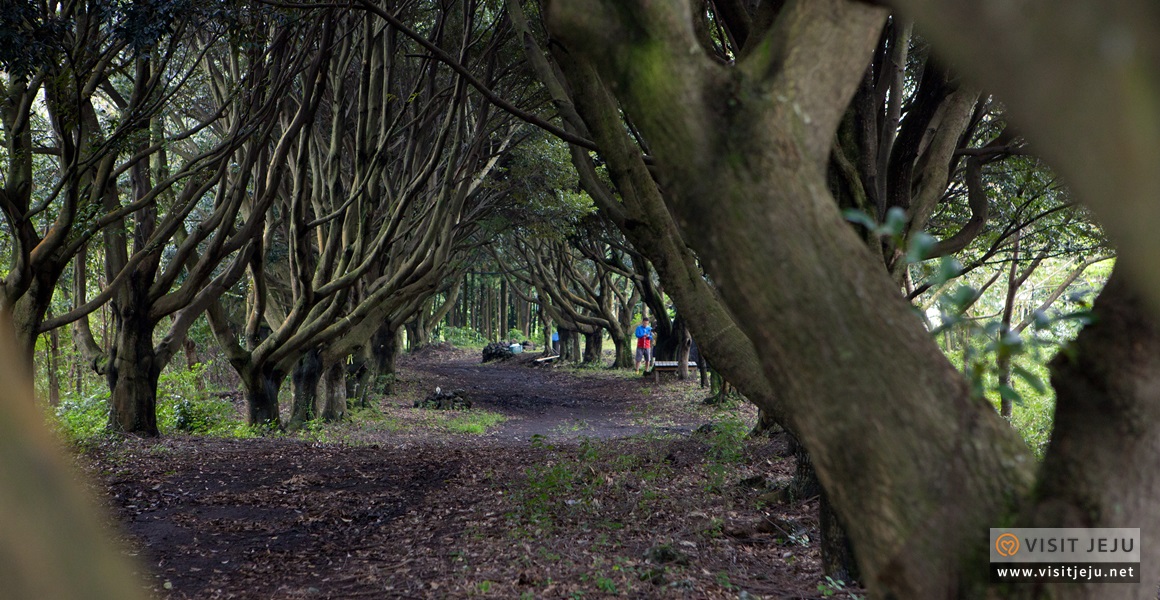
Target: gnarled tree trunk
[[593, 347], [741, 151], [1101, 468], [261, 388], [133, 374]]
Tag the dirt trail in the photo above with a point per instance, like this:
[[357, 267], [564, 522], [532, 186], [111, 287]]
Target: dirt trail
[[551, 402], [419, 514]]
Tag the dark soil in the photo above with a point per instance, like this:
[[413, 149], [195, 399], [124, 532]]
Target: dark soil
[[556, 502]]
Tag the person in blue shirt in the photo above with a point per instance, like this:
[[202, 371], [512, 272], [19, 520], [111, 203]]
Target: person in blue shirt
[[644, 339], [556, 341]]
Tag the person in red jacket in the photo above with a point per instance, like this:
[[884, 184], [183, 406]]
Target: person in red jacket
[[644, 339]]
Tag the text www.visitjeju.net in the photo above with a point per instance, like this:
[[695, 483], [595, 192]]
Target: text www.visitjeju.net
[[1061, 573]]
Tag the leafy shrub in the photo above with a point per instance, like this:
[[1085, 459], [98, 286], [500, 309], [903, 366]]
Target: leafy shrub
[[183, 404], [80, 419], [209, 415]]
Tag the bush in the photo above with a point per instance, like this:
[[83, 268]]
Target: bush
[[81, 419], [184, 405], [203, 415]]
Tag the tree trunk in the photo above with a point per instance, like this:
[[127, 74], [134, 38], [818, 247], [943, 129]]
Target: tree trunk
[[261, 387], [505, 309], [189, 348], [838, 561], [305, 378], [358, 377], [412, 329], [837, 555], [485, 310], [422, 336], [1101, 466], [29, 310], [54, 368], [773, 240], [624, 350], [1003, 356], [669, 336], [766, 424], [569, 345], [594, 347], [333, 391], [384, 350], [133, 374], [683, 355]]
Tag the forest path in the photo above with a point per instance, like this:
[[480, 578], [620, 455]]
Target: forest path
[[396, 506], [555, 403]]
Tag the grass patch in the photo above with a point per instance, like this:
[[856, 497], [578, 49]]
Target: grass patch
[[473, 422]]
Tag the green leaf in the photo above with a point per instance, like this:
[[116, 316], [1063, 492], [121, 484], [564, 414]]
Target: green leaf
[[1083, 317], [962, 297], [920, 247], [1032, 379], [1007, 392], [1011, 339], [895, 222], [948, 268], [859, 217]]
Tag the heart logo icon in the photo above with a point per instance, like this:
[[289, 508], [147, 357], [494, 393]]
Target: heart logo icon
[[1007, 544]]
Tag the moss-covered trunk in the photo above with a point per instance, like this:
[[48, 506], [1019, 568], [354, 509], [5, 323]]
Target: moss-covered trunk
[[358, 377], [134, 374], [29, 310], [569, 345], [623, 352]]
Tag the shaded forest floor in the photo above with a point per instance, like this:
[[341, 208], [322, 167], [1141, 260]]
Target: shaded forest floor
[[585, 483]]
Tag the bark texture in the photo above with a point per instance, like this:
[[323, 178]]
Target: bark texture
[[1102, 468], [741, 152]]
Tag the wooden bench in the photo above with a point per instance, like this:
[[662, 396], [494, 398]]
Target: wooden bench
[[667, 366]]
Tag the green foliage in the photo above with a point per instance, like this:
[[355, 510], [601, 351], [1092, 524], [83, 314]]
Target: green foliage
[[79, 420], [979, 346], [464, 337], [203, 416], [727, 441], [183, 404]]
